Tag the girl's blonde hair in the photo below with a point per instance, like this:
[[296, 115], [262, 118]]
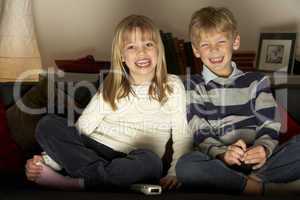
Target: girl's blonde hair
[[116, 85], [212, 19]]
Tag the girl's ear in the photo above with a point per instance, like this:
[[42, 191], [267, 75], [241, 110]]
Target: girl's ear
[[236, 42]]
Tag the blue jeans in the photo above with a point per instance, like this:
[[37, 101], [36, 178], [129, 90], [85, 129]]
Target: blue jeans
[[97, 164], [198, 170]]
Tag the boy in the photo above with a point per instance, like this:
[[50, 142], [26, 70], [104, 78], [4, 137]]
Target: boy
[[232, 117]]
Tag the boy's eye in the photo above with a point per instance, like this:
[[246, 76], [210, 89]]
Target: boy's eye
[[203, 45], [222, 41]]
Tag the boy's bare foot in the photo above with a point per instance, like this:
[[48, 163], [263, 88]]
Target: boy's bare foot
[[253, 187]]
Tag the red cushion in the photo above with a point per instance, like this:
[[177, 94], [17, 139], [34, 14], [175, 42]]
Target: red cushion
[[10, 155], [289, 126], [83, 65]]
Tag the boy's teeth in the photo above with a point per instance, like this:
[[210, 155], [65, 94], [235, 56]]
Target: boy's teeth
[[216, 59]]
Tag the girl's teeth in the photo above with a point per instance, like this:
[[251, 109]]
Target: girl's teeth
[[143, 63]]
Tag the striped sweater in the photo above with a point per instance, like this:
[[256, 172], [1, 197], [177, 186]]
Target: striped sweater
[[227, 109]]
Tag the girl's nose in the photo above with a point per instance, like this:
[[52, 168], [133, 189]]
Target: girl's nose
[[141, 50]]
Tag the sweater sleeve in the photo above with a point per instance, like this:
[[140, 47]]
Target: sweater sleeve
[[92, 115], [205, 139], [266, 115], [182, 141]]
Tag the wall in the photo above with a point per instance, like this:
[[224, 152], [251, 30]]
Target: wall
[[74, 28]]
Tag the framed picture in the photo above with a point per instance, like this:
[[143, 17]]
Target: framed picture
[[276, 52]]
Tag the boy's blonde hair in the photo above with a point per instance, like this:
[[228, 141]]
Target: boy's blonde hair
[[116, 85], [210, 19]]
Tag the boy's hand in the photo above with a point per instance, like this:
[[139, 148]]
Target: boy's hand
[[235, 153], [256, 155], [32, 167], [169, 182]]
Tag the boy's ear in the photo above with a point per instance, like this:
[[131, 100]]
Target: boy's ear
[[196, 52], [236, 42]]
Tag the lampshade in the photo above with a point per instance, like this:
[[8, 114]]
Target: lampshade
[[19, 53]]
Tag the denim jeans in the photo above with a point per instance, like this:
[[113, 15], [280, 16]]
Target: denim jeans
[[99, 165], [198, 170]]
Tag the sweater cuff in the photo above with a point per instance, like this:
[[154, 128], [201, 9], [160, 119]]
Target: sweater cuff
[[215, 151], [268, 144]]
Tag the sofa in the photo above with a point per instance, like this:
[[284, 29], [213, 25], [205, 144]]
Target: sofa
[[65, 94]]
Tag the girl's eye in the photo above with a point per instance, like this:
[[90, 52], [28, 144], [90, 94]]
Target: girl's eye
[[222, 41], [130, 47], [150, 44]]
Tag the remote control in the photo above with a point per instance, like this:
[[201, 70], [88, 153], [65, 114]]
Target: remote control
[[50, 162], [147, 189]]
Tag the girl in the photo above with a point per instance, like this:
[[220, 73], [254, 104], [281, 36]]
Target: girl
[[121, 135]]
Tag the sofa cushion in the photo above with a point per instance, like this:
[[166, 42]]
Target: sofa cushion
[[289, 127], [22, 117], [7, 91], [51, 95], [10, 154]]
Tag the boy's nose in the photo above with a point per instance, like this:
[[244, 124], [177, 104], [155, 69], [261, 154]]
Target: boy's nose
[[214, 48]]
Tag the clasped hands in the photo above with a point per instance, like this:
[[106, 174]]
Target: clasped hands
[[238, 153]]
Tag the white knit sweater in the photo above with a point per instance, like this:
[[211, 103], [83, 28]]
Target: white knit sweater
[[140, 122]]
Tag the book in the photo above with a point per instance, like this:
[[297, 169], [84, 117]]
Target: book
[[182, 56], [172, 62], [194, 64], [189, 58]]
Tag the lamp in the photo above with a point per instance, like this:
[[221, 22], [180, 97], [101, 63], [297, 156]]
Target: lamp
[[19, 53]]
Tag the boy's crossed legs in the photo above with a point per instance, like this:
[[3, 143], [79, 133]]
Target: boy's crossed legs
[[279, 175]]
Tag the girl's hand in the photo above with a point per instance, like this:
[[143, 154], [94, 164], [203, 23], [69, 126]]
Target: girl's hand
[[235, 153], [257, 156], [32, 168], [169, 182]]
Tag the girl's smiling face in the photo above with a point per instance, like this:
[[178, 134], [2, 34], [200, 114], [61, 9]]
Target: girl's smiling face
[[140, 54]]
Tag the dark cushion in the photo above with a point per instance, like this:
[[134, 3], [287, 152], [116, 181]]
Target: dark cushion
[[82, 65], [74, 94], [62, 97], [22, 117]]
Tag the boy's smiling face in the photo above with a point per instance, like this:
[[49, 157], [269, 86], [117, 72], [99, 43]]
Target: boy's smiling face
[[215, 50]]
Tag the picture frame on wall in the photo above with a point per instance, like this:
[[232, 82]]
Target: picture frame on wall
[[276, 52]]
